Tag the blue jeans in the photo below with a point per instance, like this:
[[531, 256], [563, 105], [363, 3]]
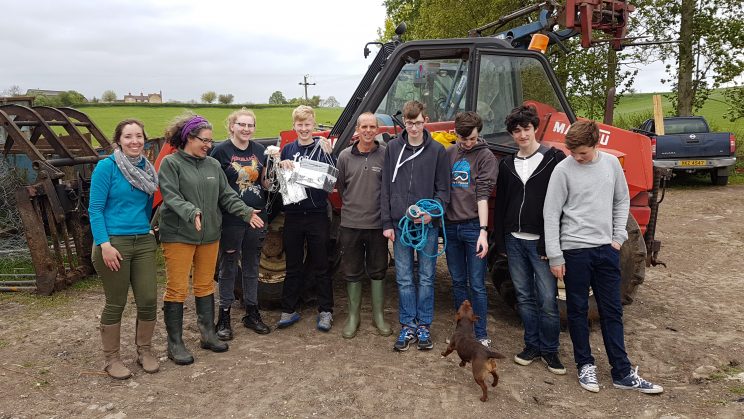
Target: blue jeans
[[536, 290], [416, 298], [468, 271], [598, 267]]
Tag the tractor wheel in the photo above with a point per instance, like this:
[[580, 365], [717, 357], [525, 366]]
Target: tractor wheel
[[632, 272]]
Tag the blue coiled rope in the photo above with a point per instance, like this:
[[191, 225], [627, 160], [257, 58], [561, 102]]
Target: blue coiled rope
[[414, 235]]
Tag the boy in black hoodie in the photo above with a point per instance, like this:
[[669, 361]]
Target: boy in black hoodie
[[519, 234], [415, 168]]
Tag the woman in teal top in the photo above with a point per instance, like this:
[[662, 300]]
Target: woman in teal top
[[121, 193]]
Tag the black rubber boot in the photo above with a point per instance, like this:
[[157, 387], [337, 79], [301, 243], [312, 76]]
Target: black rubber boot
[[224, 329], [205, 321], [252, 320], [173, 317]]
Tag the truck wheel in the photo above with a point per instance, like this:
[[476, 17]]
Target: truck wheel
[[632, 272], [273, 266], [717, 179]]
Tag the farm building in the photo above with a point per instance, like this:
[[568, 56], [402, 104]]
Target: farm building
[[142, 98]]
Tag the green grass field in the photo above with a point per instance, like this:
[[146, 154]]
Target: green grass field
[[270, 121]]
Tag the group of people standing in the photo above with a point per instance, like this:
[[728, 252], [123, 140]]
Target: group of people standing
[[556, 218]]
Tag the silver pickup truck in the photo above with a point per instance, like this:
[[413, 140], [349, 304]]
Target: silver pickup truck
[[688, 146]]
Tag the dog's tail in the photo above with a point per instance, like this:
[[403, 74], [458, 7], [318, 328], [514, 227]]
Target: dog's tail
[[494, 354]]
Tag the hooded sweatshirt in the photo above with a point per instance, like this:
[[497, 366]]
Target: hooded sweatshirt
[[519, 205], [410, 174], [473, 175], [316, 201]]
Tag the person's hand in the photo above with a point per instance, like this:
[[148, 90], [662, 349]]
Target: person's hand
[[197, 222], [256, 221], [111, 256], [426, 219], [287, 164], [558, 271], [389, 234], [325, 145], [615, 245], [481, 246]]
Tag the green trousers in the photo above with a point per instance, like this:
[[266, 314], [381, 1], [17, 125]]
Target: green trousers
[[138, 269]]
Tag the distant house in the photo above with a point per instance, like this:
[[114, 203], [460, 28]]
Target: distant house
[[142, 98]]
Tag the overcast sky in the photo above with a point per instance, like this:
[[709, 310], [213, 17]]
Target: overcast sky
[[187, 47]]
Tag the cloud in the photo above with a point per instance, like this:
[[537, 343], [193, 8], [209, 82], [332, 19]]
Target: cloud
[[184, 48]]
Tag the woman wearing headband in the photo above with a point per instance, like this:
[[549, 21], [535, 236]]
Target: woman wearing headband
[[195, 192], [121, 193]]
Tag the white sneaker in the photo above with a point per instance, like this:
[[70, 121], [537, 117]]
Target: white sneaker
[[588, 378]]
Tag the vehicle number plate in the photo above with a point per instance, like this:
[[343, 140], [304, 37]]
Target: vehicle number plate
[[693, 163]]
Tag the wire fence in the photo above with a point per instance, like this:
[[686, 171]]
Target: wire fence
[[15, 258]]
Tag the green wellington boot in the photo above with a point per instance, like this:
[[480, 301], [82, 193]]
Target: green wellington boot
[[205, 320], [173, 318], [378, 304], [354, 293]]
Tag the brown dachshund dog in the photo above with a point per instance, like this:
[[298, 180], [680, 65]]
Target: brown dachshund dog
[[470, 350]]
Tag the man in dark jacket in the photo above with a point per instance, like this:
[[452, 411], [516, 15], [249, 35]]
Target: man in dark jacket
[[415, 168], [519, 234]]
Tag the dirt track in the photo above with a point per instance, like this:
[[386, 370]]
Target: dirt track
[[685, 316]]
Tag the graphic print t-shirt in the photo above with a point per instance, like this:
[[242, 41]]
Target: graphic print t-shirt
[[461, 174], [243, 169]]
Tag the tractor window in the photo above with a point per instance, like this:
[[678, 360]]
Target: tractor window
[[505, 82], [441, 84]]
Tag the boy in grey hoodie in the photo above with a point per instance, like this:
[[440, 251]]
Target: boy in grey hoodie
[[415, 168]]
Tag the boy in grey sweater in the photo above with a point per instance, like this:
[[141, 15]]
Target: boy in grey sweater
[[586, 208]]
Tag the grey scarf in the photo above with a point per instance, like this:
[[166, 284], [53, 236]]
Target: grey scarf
[[145, 180]]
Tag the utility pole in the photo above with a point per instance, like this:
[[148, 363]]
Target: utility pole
[[305, 83]]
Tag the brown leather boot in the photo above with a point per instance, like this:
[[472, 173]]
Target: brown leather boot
[[143, 339], [110, 334]]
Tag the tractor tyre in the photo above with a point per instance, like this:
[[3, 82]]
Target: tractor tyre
[[632, 272]]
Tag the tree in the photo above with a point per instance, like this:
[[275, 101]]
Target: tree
[[331, 102], [108, 96], [277, 98], [708, 55], [585, 74], [208, 97], [13, 90], [225, 99]]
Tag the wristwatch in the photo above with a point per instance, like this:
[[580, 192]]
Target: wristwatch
[[484, 228]]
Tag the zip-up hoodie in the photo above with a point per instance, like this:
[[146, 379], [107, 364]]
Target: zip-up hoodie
[[519, 206], [316, 200], [472, 177], [424, 176], [192, 185]]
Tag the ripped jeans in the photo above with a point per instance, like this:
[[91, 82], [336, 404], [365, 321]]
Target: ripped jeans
[[240, 243]]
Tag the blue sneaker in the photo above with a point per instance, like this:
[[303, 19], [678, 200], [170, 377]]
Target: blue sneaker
[[588, 378], [405, 338], [325, 321], [288, 319], [634, 382], [424, 338]]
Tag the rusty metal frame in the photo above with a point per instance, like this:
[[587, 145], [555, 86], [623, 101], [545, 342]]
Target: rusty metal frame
[[54, 208]]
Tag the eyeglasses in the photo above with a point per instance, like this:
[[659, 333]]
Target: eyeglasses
[[417, 124], [245, 125], [207, 141]]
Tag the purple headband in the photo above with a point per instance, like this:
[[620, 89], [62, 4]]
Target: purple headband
[[191, 125]]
